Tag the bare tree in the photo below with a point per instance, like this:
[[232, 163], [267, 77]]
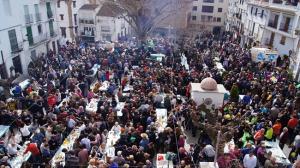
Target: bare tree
[[144, 15]]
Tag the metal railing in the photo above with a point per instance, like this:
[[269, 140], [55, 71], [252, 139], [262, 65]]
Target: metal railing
[[40, 38], [38, 17], [17, 47], [284, 28], [272, 24], [49, 14], [28, 18], [87, 33]]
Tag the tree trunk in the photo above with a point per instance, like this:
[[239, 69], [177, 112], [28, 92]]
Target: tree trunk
[[70, 16]]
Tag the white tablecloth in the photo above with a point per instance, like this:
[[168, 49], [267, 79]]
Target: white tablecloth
[[92, 106], [64, 100], [104, 86], [120, 107], [161, 119], [277, 153], [112, 138], [3, 129], [67, 144], [128, 88], [163, 163], [17, 162]]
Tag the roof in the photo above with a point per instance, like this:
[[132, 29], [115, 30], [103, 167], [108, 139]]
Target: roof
[[109, 10], [89, 7]]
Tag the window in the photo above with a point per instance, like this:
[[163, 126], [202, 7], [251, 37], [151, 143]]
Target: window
[[74, 4], [218, 19], [76, 30], [75, 19], [208, 9], [262, 14], [194, 8], [194, 17], [63, 31], [215, 19], [7, 7], [251, 10], [37, 12], [58, 3], [61, 17], [13, 40], [220, 9], [203, 18], [17, 64], [209, 18], [39, 27], [256, 12], [221, 1], [208, 1], [282, 40]]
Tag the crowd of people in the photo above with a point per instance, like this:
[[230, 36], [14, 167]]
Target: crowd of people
[[123, 128]]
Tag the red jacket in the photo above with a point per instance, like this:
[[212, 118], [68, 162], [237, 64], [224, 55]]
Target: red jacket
[[32, 147]]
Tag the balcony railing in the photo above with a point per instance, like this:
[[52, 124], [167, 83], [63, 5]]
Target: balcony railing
[[275, 2], [28, 18], [49, 14], [18, 47], [87, 33], [272, 24], [40, 38], [284, 28], [38, 17]]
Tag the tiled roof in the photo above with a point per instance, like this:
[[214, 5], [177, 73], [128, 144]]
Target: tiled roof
[[89, 7], [109, 10]]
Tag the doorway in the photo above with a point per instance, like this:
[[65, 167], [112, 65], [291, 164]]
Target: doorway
[[17, 64]]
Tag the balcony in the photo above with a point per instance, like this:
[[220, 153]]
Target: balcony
[[283, 27], [286, 4], [49, 14], [38, 17], [88, 33], [18, 47], [28, 18], [84, 21], [40, 38], [272, 24]]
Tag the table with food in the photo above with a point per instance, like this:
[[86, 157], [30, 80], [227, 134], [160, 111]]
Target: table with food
[[16, 162], [163, 162], [277, 152], [161, 119], [59, 157], [92, 106]]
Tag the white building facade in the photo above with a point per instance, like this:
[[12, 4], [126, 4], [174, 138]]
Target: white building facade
[[272, 24], [110, 26], [67, 15], [208, 15], [101, 22], [26, 34]]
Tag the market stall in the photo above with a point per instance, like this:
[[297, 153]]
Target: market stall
[[263, 54]]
